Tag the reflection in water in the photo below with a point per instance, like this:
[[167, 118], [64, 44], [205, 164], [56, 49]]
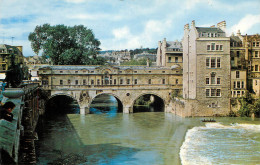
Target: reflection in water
[[105, 104]]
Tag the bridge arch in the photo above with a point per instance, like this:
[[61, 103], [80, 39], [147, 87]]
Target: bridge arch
[[119, 101], [158, 99], [63, 103]]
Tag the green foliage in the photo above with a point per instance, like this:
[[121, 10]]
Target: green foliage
[[66, 45], [256, 108], [245, 108], [137, 62], [143, 100], [14, 74]]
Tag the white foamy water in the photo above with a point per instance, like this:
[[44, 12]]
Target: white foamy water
[[220, 144]]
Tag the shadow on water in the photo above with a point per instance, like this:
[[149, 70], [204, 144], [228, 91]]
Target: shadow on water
[[59, 142], [64, 146]]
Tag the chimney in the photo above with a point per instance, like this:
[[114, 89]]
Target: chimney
[[193, 23], [238, 33], [186, 26], [222, 25]]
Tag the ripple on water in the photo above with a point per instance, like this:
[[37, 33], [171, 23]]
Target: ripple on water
[[221, 144]]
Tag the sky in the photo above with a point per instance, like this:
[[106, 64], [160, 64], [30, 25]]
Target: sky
[[125, 24]]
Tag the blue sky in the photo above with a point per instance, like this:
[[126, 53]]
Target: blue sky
[[125, 24]]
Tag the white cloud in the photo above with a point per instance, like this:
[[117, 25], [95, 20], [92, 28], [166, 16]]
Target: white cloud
[[246, 23], [122, 33]]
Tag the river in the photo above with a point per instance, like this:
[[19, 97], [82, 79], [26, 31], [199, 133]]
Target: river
[[147, 138]]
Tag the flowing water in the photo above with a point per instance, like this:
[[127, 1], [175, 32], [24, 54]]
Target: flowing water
[[147, 138]]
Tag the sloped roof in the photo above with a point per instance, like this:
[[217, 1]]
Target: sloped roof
[[209, 30], [173, 44]]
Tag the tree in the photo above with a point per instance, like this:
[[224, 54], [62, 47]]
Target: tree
[[65, 45], [14, 74]]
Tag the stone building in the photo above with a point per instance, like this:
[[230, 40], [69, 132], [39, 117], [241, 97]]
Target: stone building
[[238, 66], [6, 51], [245, 63], [169, 53], [206, 70], [252, 56]]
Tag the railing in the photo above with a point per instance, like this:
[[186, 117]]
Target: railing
[[122, 86]]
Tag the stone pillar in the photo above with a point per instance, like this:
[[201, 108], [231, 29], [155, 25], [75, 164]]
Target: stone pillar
[[84, 110], [127, 109]]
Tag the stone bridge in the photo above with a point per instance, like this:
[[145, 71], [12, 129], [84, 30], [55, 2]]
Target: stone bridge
[[17, 136], [125, 83]]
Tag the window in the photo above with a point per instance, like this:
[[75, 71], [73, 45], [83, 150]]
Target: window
[[69, 81], [149, 81], [218, 62], [234, 84], [217, 47], [238, 54], [163, 71], [61, 71], [243, 92], [207, 62], [135, 81], [238, 84], [61, 82], [92, 71], [257, 44], [255, 82], [98, 81], [221, 47], [76, 82], [114, 81], [218, 92], [212, 46], [256, 53], [218, 80], [213, 78], [176, 59], [256, 67], [237, 74], [84, 82], [253, 44], [213, 92], [163, 81], [207, 80], [208, 47], [207, 92], [76, 71], [169, 59], [92, 82], [128, 81], [135, 71], [121, 81], [213, 62], [238, 93], [149, 71], [177, 81]]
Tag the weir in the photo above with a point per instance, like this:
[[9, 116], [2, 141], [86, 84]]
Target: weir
[[17, 137]]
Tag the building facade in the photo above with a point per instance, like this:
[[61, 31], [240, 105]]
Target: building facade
[[6, 51], [169, 53], [206, 69]]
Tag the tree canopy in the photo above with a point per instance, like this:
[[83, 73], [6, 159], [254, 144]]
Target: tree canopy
[[66, 45]]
